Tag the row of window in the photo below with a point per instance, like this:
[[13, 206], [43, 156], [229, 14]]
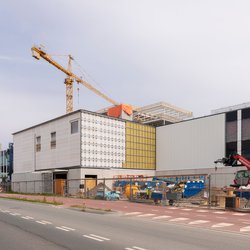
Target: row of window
[[52, 142], [74, 128]]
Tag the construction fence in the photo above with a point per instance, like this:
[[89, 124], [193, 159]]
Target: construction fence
[[207, 190]]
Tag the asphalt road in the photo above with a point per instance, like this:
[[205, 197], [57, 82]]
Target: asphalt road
[[25, 225]]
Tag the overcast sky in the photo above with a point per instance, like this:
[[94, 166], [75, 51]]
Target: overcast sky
[[191, 53]]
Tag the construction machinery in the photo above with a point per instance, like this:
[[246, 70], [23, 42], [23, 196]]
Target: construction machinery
[[38, 52], [242, 177]]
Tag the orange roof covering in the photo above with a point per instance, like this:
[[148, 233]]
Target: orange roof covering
[[117, 110]]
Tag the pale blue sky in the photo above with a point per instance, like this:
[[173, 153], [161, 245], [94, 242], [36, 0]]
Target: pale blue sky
[[191, 53]]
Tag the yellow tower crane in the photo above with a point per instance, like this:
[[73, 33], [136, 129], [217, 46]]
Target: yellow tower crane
[[37, 53]]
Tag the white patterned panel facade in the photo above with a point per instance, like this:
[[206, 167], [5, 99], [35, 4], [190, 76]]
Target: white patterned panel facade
[[102, 142]]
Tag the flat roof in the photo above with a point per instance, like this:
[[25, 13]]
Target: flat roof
[[78, 111]]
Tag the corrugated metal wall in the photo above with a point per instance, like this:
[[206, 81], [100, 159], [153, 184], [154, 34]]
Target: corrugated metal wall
[[193, 144]]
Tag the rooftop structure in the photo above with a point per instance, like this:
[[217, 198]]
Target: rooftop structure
[[158, 114], [231, 108]]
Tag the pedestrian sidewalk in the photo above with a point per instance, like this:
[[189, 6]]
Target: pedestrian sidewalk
[[118, 206]]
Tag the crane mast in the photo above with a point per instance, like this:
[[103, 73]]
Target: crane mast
[[38, 53]]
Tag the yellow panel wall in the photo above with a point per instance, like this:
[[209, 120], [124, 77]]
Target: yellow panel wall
[[140, 146]]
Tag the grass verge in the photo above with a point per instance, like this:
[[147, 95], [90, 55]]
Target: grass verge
[[44, 201], [85, 209]]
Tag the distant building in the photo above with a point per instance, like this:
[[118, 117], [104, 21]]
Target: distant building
[[6, 163]]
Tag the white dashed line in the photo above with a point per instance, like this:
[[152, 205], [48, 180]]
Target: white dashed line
[[5, 211], [173, 208], [202, 211], [100, 237], [133, 213], [223, 225], [186, 209], [239, 214], [196, 222], [63, 229], [27, 217], [245, 229], [68, 228], [134, 247], [179, 219], [95, 237], [47, 222], [14, 214], [161, 217], [219, 212], [145, 215], [40, 222], [139, 248]]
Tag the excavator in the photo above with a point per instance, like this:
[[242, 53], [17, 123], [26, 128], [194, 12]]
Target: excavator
[[242, 177]]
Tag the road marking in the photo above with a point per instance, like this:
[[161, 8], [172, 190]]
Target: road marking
[[155, 210], [239, 214], [100, 237], [5, 211], [201, 215], [161, 217], [186, 209], [63, 229], [134, 247], [245, 229], [133, 213], [47, 222], [179, 219], [169, 212], [223, 225], [68, 228], [173, 208], [198, 222], [220, 217], [145, 215], [184, 213], [27, 217], [219, 212], [138, 248], [202, 211], [40, 222], [95, 237], [14, 214]]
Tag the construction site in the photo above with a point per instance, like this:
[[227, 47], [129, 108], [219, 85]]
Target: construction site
[[157, 154]]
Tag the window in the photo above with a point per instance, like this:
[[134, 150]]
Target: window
[[38, 143], [74, 127], [53, 140]]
